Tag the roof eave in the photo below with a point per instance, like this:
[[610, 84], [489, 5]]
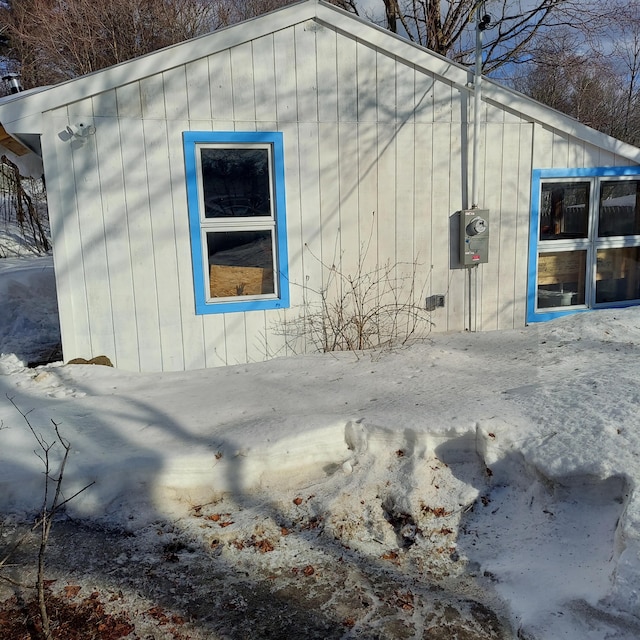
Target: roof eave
[[22, 114]]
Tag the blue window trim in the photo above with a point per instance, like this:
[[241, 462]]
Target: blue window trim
[[538, 175], [191, 140]]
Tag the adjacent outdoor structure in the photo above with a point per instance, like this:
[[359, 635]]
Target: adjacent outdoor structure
[[205, 198]]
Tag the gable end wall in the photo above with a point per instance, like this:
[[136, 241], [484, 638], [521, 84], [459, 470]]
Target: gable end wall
[[375, 171]]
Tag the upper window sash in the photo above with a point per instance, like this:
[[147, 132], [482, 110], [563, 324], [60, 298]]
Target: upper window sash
[[619, 208], [565, 212], [235, 183]]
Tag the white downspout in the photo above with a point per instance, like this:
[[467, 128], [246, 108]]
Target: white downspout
[[482, 22], [477, 97]]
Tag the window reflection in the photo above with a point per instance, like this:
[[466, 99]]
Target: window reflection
[[564, 211], [619, 212], [235, 182]]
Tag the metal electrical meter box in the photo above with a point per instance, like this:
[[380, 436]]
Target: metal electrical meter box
[[474, 236]]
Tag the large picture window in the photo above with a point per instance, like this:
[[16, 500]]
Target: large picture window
[[236, 198], [585, 240]]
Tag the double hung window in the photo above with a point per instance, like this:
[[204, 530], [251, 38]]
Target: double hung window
[[585, 240], [235, 183]]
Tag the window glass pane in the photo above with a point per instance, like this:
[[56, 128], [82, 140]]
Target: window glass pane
[[561, 278], [619, 208], [240, 263], [617, 274], [564, 210], [235, 182]]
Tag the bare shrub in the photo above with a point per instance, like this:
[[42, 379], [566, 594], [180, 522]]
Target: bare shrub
[[53, 501], [371, 308]]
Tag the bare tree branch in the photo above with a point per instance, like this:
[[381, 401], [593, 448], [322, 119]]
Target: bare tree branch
[[49, 507]]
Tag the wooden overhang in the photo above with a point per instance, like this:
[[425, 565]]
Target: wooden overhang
[[12, 144]]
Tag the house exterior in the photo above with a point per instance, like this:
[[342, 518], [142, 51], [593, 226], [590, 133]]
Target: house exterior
[[204, 197]]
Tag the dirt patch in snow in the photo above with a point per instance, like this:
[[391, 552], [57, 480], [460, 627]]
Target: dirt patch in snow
[[166, 583]]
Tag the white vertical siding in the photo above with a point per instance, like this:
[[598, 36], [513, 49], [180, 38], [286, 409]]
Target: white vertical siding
[[407, 288], [457, 189], [441, 211], [192, 330], [93, 233], [139, 215], [521, 207], [310, 250], [511, 155], [423, 216], [117, 240], [285, 65], [404, 205], [346, 79], [375, 172], [442, 102], [327, 75], [424, 84], [294, 233], [306, 73], [218, 81], [175, 94], [507, 228], [330, 229], [199, 97], [405, 106], [385, 103], [215, 341], [163, 244], [128, 101], [364, 246], [386, 214], [242, 83], [265, 89], [366, 87], [152, 92], [492, 200], [555, 149], [67, 239]]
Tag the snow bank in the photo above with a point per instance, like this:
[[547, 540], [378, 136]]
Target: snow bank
[[509, 456]]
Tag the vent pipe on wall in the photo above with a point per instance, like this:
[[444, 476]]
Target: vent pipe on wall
[[12, 80]]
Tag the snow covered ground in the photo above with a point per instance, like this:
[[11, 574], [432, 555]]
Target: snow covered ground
[[496, 469]]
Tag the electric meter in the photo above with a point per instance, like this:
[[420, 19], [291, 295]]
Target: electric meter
[[474, 236]]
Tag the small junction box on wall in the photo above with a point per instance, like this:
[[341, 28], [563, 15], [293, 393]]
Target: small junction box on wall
[[474, 236]]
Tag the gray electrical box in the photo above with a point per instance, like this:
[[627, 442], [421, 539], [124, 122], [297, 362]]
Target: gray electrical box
[[474, 236]]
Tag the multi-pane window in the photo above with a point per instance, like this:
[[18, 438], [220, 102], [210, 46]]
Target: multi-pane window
[[585, 240], [236, 209]]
